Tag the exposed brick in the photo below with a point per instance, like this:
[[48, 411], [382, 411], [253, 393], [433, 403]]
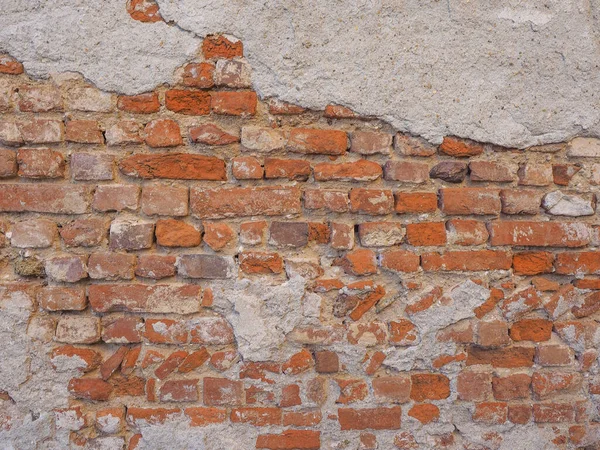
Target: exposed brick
[[42, 98], [8, 163], [219, 46], [78, 330], [493, 334], [252, 233], [533, 263], [392, 389], [505, 357], [380, 234], [474, 386], [491, 413], [222, 203], [84, 232], [198, 75], [413, 146], [370, 142], [578, 263], [359, 262], [428, 386], [239, 103], [260, 263], [165, 200], [426, 233], [400, 261], [520, 201], [90, 389], [465, 201], [342, 236], [145, 103], [176, 233], [10, 65], [290, 439], [124, 132], [292, 169], [279, 107], [92, 167], [211, 134], [460, 148], [218, 235], [406, 171], [194, 103], [371, 201], [222, 392], [370, 418], [57, 298], [205, 266], [116, 197], [361, 170], [288, 234], [512, 387], [315, 141], [35, 233], [415, 202], [84, 132], [122, 330], [179, 391], [450, 171], [491, 171], [162, 133], [183, 166], [540, 234], [247, 168], [466, 260], [40, 163], [68, 269], [127, 234], [89, 99], [111, 266], [466, 232], [326, 200], [535, 174]]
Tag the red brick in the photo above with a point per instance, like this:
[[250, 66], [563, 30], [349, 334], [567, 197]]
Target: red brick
[[184, 166], [279, 107], [109, 366], [238, 202], [145, 103], [315, 141], [460, 148], [233, 73], [326, 362], [165, 200], [218, 235], [179, 391], [491, 413], [298, 363], [504, 357], [259, 417], [162, 133], [533, 263], [58, 298], [222, 392], [290, 440], [426, 234], [219, 46], [519, 414], [262, 139], [338, 112], [41, 98], [8, 163], [474, 386], [33, 233], [428, 386], [553, 413], [144, 10], [122, 330], [361, 170], [292, 169], [124, 132], [553, 355], [493, 334], [302, 418], [403, 332], [179, 299], [92, 167], [415, 202], [211, 134], [474, 260], [150, 416], [166, 331], [491, 171], [371, 201], [342, 236], [326, 200], [198, 75], [176, 233], [359, 262], [252, 233], [578, 263], [78, 329], [247, 168], [520, 201], [40, 163], [425, 413], [466, 201], [84, 132], [535, 174], [466, 232], [194, 360], [370, 418], [42, 131], [552, 384], [106, 418], [68, 269], [413, 146], [562, 173], [511, 387], [520, 303], [194, 103], [205, 266], [200, 416], [380, 234], [111, 266], [392, 389], [84, 359], [239, 103], [116, 197], [84, 232], [370, 142], [407, 172], [351, 390], [540, 234], [90, 389], [10, 65], [260, 263]]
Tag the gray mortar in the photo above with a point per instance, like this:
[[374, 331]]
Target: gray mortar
[[511, 73]]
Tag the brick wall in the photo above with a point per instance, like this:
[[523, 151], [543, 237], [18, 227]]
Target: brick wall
[[212, 265]]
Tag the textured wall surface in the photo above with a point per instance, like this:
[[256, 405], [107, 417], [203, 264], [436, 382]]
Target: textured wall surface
[[204, 266], [512, 73]]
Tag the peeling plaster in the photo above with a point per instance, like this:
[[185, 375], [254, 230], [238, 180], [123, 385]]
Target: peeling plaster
[[511, 73]]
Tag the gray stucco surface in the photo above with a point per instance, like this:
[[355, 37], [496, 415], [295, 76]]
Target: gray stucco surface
[[513, 73]]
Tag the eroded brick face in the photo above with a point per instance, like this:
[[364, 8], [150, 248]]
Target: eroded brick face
[[200, 258]]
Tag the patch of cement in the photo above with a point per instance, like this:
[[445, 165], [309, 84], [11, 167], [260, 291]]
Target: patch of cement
[[508, 72]]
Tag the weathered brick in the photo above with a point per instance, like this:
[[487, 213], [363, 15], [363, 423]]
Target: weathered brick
[[491, 171], [57, 298], [165, 200], [90, 389], [116, 197], [211, 134], [380, 234], [315, 141], [415, 202], [78, 329], [279, 107], [84, 132], [89, 99], [122, 330], [413, 146], [475, 260], [292, 169], [371, 201], [155, 266], [288, 234], [205, 266], [176, 233], [238, 202], [474, 386], [290, 439], [370, 418], [69, 269], [8, 163], [361, 170], [124, 132], [239, 103], [41, 98], [406, 171], [466, 232], [359, 262], [252, 233], [450, 171], [222, 392], [512, 387], [326, 200], [246, 168], [194, 103], [260, 263], [232, 73], [460, 148], [512, 357], [161, 133], [400, 261], [198, 75], [392, 389], [531, 174], [145, 103], [84, 232], [179, 391], [578, 263], [520, 201], [466, 201], [182, 166], [219, 46], [166, 298], [111, 266], [426, 233], [129, 234], [10, 65], [370, 142], [40, 163], [33, 233], [540, 234], [92, 167]]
